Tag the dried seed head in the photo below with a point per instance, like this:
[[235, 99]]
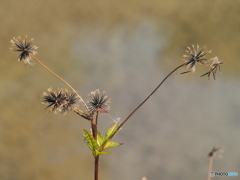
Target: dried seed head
[[215, 152], [213, 68], [26, 49], [195, 56], [59, 101], [71, 101], [99, 102]]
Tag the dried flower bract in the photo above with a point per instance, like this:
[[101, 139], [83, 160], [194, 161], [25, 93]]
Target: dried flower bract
[[195, 56], [26, 49], [63, 101]]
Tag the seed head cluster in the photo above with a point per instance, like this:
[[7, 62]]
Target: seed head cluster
[[59, 101], [196, 55], [26, 49], [99, 101], [63, 101], [214, 66]]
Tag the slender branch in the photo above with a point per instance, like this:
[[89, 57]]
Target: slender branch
[[210, 163], [119, 127], [148, 96], [210, 167], [61, 80], [81, 113]]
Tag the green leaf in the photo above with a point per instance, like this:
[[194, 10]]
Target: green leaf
[[92, 144], [112, 144], [102, 152], [111, 131], [100, 139]]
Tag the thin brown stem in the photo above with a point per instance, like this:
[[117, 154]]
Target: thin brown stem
[[148, 96], [97, 118], [61, 80], [96, 159], [145, 100], [80, 113], [96, 165], [93, 127]]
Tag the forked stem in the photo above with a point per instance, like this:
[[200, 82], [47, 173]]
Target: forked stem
[[61, 80]]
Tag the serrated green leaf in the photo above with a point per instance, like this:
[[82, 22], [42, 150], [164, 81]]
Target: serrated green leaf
[[111, 131], [92, 144], [112, 144], [100, 139], [102, 152]]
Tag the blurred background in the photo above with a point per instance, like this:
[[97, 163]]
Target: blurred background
[[125, 48]]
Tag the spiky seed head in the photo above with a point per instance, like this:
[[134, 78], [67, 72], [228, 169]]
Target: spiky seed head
[[213, 68], [195, 56], [59, 101], [71, 101], [99, 102], [26, 49]]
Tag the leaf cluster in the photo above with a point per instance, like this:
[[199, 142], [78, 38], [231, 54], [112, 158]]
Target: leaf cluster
[[98, 145]]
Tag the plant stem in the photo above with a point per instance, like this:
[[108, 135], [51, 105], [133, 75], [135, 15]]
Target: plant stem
[[81, 113], [93, 127], [94, 133], [148, 97], [60, 79], [210, 167], [96, 162], [97, 118]]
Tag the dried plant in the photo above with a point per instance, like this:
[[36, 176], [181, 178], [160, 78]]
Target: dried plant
[[211, 154], [195, 56], [63, 101], [25, 48], [213, 68]]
